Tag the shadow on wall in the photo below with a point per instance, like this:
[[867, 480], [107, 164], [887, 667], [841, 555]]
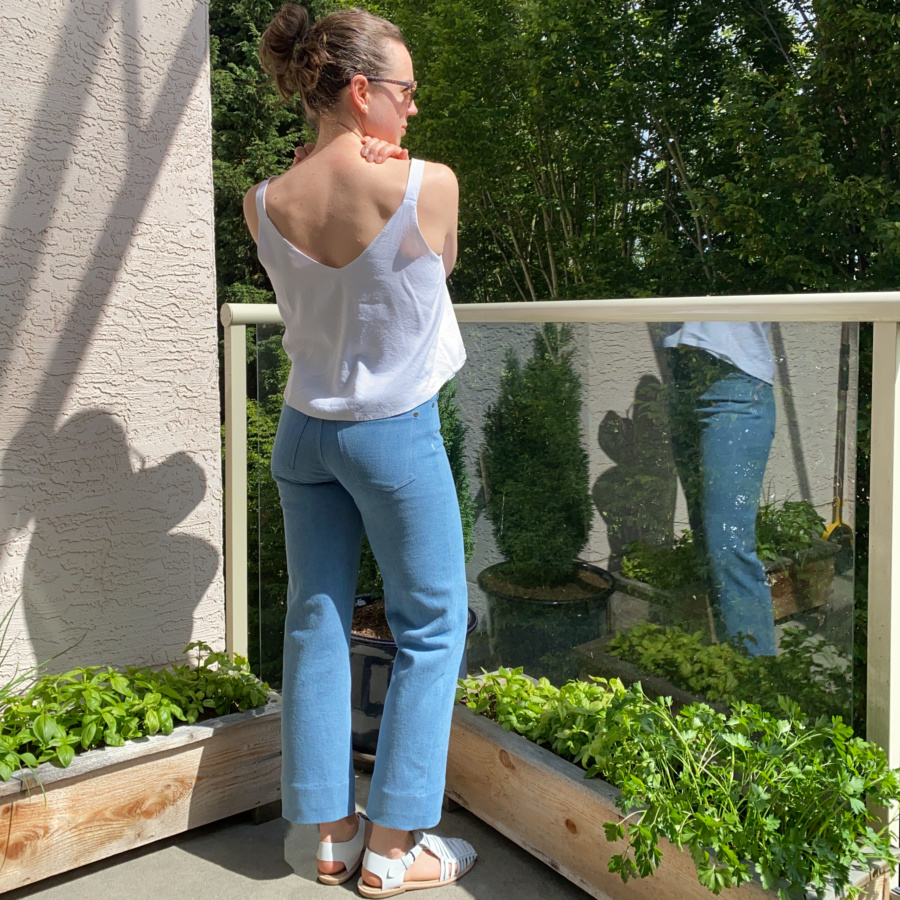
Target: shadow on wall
[[101, 554], [101, 536], [636, 497]]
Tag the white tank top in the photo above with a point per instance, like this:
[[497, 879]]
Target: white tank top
[[743, 344], [371, 339]]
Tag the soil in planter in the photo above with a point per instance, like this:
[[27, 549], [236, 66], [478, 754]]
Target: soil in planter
[[370, 621], [581, 585]]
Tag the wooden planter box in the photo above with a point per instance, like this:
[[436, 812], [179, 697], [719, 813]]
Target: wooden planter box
[[117, 798], [797, 585], [546, 806]]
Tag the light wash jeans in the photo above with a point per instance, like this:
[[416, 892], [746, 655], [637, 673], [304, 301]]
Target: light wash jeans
[[392, 477], [723, 423]]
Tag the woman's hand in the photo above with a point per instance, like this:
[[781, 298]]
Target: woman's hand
[[300, 153], [377, 151], [373, 150]]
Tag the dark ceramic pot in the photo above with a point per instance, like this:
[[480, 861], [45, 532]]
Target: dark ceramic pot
[[371, 664], [540, 634]]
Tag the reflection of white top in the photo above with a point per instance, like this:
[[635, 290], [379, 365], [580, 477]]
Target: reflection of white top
[[374, 338], [743, 344]]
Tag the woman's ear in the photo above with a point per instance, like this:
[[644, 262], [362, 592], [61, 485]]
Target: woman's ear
[[359, 93]]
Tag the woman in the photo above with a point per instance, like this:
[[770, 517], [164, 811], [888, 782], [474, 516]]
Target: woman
[[723, 422], [371, 336]]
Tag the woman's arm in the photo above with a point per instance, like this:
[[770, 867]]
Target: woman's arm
[[372, 150], [250, 214], [438, 211]]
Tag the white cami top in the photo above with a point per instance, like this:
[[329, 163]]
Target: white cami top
[[371, 339]]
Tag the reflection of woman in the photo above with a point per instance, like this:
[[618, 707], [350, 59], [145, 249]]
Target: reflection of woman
[[723, 423], [371, 336]]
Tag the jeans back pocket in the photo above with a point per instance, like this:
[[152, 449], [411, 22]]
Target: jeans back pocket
[[380, 453], [291, 425]]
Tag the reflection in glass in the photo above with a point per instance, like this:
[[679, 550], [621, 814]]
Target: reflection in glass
[[722, 415], [642, 418], [590, 446]]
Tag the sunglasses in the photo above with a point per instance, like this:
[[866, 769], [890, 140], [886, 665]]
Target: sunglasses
[[409, 87]]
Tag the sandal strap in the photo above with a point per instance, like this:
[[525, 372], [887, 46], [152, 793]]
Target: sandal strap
[[455, 854], [346, 852], [392, 871]]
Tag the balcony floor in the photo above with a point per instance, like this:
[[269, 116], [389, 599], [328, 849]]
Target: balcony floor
[[235, 859]]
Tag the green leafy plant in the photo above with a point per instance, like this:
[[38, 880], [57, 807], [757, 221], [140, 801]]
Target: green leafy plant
[[668, 568], [789, 530], [535, 467], [779, 794], [61, 715], [808, 670]]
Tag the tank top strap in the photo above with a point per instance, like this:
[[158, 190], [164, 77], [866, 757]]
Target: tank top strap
[[414, 182], [261, 201]]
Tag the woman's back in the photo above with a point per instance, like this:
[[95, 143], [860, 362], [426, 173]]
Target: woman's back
[[369, 327], [335, 204]]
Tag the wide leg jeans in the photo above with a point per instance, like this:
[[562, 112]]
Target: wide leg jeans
[[723, 424], [390, 477]]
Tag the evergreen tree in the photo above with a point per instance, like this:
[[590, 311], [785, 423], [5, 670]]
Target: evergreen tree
[[535, 465]]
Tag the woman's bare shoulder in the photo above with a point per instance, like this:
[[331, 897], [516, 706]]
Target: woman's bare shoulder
[[440, 177], [440, 189]]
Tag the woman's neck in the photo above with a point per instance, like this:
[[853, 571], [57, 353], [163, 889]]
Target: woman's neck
[[338, 132]]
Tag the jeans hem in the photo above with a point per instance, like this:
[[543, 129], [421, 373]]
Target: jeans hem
[[316, 804], [406, 812]]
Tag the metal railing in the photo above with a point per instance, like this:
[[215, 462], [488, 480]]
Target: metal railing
[[881, 308]]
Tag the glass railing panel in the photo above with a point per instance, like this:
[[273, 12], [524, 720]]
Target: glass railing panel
[[592, 464], [267, 568], [708, 494]]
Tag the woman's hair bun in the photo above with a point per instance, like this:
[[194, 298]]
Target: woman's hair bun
[[317, 61], [291, 52]]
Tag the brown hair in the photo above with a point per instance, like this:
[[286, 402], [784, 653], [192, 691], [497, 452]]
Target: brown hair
[[318, 60]]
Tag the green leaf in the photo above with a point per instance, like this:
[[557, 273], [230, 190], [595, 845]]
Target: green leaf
[[45, 729], [65, 753], [151, 721], [88, 734]]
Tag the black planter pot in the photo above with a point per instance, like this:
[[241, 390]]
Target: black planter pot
[[371, 664], [539, 634]]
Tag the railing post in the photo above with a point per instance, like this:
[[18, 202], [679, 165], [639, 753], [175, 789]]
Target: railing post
[[883, 704], [235, 485]]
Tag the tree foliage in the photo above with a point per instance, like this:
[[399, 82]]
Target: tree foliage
[[619, 147]]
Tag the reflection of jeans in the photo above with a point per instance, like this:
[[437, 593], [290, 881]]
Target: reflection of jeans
[[392, 476], [723, 423]]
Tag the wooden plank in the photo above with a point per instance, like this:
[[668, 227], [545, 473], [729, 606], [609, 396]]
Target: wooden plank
[[546, 806], [100, 812]]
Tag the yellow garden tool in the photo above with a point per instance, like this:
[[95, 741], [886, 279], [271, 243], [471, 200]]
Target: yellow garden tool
[[839, 532]]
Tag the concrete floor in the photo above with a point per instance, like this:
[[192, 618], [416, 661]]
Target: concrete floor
[[236, 860]]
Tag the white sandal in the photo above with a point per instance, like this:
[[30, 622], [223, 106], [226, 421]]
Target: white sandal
[[350, 853], [456, 855]]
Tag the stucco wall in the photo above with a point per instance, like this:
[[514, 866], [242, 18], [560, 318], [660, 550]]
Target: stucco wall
[[110, 485]]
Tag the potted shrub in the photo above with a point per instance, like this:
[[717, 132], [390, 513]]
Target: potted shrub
[[372, 647], [610, 787], [96, 745], [543, 600]]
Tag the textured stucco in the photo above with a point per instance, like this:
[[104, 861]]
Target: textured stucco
[[110, 485]]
